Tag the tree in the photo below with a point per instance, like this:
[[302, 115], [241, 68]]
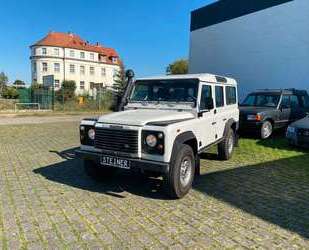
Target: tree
[[10, 93], [178, 67], [19, 84], [119, 86], [3, 81], [67, 91]]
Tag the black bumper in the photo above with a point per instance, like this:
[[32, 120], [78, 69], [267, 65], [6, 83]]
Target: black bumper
[[245, 126], [138, 164]]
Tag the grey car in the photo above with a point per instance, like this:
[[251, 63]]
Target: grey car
[[298, 133]]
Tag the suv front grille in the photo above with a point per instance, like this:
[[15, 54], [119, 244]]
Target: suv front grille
[[118, 140]]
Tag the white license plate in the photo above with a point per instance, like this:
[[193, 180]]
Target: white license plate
[[115, 162]]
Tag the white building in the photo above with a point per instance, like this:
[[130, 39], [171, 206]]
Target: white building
[[261, 43], [68, 57]]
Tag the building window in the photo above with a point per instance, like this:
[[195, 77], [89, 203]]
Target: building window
[[72, 68], [115, 73], [34, 51], [44, 67], [57, 67], [91, 56], [82, 70], [219, 96], [82, 55], [114, 59], [230, 93], [56, 51], [72, 53], [57, 83], [92, 85], [103, 72], [91, 70], [34, 67], [44, 51], [82, 85]]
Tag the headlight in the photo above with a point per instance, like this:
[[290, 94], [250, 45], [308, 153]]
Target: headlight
[[91, 134], [256, 117], [151, 140], [291, 130]]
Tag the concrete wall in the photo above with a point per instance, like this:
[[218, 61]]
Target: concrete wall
[[266, 49]]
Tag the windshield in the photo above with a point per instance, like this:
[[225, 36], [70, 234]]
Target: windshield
[[262, 100], [178, 90]]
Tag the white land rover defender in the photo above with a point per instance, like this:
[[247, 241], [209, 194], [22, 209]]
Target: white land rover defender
[[167, 122]]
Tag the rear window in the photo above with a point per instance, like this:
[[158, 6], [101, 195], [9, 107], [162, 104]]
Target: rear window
[[230, 95]]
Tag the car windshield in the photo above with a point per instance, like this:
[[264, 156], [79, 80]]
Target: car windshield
[[178, 90], [262, 100]]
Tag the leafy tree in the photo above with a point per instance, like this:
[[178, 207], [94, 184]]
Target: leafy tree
[[3, 81], [67, 91], [178, 67], [19, 84], [10, 93], [119, 86]]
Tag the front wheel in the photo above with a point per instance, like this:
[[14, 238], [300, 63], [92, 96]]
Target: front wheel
[[178, 181], [266, 130]]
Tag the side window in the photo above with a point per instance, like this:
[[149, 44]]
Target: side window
[[305, 101], [285, 101], [294, 101], [219, 96], [230, 93], [205, 95]]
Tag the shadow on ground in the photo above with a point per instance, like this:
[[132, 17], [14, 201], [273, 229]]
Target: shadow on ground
[[276, 191]]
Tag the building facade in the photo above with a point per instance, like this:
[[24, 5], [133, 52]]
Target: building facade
[[261, 43], [68, 57]]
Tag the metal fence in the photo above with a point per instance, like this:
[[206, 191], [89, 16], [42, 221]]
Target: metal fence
[[64, 100]]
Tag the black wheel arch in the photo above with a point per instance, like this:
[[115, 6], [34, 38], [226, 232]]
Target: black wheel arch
[[231, 123], [187, 138]]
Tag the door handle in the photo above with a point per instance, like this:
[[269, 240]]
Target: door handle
[[214, 123], [224, 119]]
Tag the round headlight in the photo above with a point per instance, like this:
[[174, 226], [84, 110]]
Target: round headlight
[[151, 140], [91, 134]]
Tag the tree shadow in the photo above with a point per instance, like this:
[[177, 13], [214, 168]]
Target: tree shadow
[[276, 191]]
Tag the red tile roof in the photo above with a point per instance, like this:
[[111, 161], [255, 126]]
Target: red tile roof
[[69, 40]]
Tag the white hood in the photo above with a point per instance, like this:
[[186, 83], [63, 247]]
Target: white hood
[[141, 117]]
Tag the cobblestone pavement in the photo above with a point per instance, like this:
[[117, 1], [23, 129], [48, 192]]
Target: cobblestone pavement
[[260, 199]]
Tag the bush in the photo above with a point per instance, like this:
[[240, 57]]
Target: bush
[[10, 93], [67, 91]]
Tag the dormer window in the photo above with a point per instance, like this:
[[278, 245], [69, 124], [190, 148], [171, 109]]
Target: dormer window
[[114, 59]]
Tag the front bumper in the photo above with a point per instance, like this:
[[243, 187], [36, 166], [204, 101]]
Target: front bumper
[[296, 140], [139, 164]]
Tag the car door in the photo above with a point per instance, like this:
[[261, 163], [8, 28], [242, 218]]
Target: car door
[[206, 123], [285, 111], [220, 113], [296, 110]]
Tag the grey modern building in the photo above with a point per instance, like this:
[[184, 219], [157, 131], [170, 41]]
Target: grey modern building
[[260, 43]]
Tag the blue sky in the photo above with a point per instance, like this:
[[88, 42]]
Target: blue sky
[[148, 35]]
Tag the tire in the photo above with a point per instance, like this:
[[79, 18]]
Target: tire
[[178, 181], [226, 147], [266, 130], [98, 172]]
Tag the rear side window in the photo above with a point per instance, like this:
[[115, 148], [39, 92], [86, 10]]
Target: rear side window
[[305, 100], [219, 97], [230, 93]]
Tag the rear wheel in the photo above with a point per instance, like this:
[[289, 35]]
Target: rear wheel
[[178, 181], [266, 130], [226, 147], [96, 171]]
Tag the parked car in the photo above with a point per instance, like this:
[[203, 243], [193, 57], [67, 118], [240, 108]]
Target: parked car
[[298, 133], [264, 111], [168, 121]]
